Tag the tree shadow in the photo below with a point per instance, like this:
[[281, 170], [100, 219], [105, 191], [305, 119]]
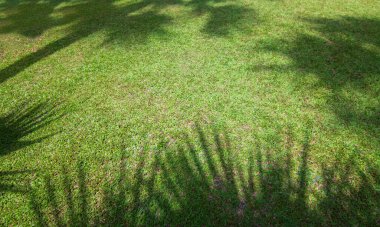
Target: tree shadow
[[21, 122], [76, 198], [131, 23], [223, 19], [12, 181], [344, 55], [15, 127], [201, 183], [86, 18], [342, 195], [29, 18]]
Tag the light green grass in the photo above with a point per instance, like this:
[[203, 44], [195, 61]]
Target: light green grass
[[294, 85]]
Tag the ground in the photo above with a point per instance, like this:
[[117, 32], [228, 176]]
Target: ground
[[189, 112]]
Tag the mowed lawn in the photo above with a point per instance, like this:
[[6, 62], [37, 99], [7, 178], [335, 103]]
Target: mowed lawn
[[189, 112]]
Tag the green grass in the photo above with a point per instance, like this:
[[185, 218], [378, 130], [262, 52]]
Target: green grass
[[189, 112]]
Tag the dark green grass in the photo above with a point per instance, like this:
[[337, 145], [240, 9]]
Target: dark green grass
[[83, 83]]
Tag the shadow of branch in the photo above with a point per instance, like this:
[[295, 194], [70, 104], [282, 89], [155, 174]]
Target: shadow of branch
[[24, 120]]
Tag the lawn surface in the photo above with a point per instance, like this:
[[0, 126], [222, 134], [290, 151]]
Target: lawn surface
[[189, 112]]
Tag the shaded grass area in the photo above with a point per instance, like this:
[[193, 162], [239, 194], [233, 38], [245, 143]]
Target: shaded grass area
[[8, 179], [345, 64], [81, 79], [88, 17], [200, 183], [23, 120]]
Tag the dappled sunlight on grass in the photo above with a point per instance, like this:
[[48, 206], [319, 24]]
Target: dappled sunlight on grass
[[129, 22], [200, 182], [99, 101]]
